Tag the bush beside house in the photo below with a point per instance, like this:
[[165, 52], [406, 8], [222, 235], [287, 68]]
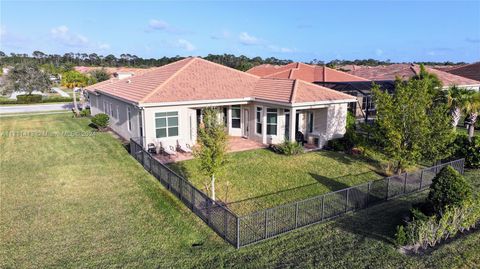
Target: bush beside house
[[101, 121]]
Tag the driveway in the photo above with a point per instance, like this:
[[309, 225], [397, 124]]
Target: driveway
[[35, 108]]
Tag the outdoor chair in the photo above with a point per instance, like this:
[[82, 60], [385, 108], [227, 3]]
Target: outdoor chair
[[183, 147], [168, 149], [300, 138], [151, 148]]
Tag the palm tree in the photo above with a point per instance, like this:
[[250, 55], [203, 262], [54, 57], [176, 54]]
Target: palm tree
[[472, 108], [74, 80], [457, 99]]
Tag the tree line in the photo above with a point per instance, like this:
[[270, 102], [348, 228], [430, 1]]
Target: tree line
[[68, 60]]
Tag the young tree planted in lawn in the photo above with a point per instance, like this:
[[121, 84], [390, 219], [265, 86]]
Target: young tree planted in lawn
[[212, 145], [27, 78], [74, 80], [413, 123]]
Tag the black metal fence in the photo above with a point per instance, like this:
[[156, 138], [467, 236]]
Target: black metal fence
[[268, 223], [223, 221], [264, 224]]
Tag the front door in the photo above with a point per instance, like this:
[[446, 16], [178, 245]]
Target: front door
[[245, 123]]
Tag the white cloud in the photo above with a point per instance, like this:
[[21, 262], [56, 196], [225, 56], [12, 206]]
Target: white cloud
[[186, 45], [158, 25], [247, 39], [379, 52], [280, 49], [63, 35]]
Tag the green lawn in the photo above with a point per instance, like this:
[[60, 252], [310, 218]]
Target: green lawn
[[75, 202], [259, 179]]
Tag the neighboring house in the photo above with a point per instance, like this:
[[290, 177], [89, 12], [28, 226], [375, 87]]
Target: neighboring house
[[165, 104], [471, 71], [327, 77], [406, 71]]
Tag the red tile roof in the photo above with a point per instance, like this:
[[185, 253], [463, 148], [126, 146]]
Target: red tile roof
[[306, 72], [195, 79], [471, 71], [406, 71], [111, 70]]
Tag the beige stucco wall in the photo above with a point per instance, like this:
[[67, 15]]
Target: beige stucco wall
[[329, 121], [118, 119]]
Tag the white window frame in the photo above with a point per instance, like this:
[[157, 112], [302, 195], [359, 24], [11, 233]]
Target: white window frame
[[129, 119], [167, 126], [239, 118], [270, 124], [258, 119]]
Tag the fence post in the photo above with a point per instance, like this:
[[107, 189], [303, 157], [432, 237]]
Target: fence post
[[296, 215], [346, 202], [238, 232], [388, 188], [225, 222], [192, 193], [266, 221], [405, 183], [323, 207]]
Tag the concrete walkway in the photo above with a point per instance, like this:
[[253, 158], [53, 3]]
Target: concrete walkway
[[59, 91], [35, 108]]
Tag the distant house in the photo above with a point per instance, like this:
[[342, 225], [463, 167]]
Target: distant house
[[471, 71], [327, 77], [406, 71], [164, 105]]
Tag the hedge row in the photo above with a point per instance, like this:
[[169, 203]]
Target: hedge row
[[35, 98]]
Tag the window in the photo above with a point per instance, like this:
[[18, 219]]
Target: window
[[367, 103], [272, 121], [236, 116], [258, 119], [129, 118], [166, 124], [310, 122]]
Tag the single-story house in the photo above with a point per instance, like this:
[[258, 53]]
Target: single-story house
[[471, 71], [164, 104], [406, 71], [327, 77]]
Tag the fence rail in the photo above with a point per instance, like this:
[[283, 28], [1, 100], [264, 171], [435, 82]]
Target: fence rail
[[223, 221], [268, 223], [271, 222]]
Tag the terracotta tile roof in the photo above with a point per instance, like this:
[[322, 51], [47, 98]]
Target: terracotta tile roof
[[471, 71], [195, 79], [308, 92], [406, 71], [306, 72], [111, 70]]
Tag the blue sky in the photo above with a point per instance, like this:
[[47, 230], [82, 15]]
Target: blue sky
[[325, 30]]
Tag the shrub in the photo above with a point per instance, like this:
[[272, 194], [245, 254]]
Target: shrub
[[288, 148], [100, 120], [400, 236], [449, 187], [85, 113], [29, 98], [468, 150], [432, 230]]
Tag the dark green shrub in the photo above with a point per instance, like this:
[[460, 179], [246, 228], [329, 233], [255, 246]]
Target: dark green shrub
[[468, 150], [288, 148], [85, 113], [55, 99], [29, 98], [449, 187], [400, 236], [100, 120]]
